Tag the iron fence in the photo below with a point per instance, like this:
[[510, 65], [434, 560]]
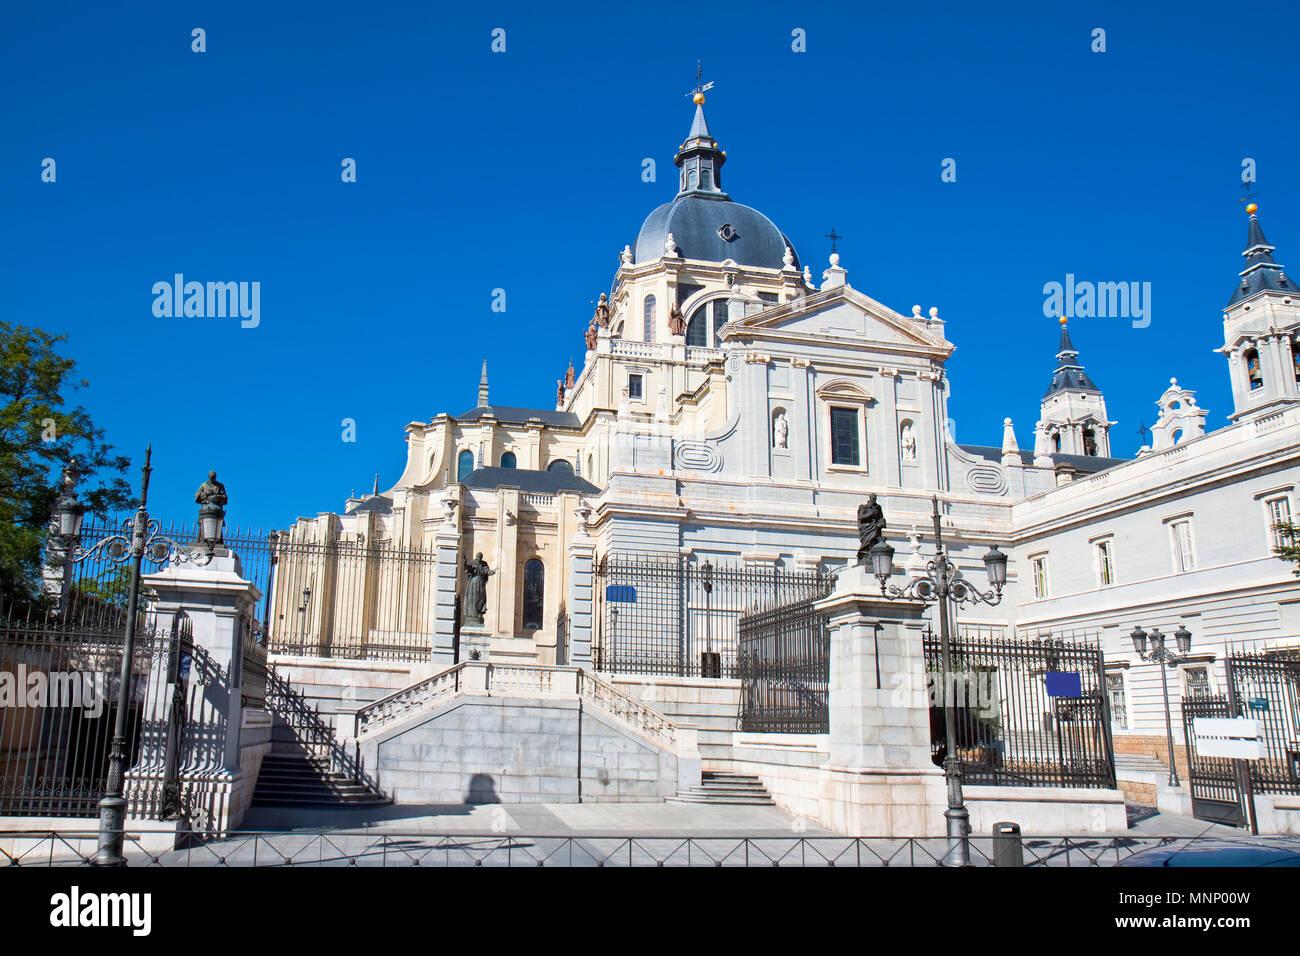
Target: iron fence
[[680, 615], [784, 664], [1265, 685], [60, 690], [392, 848], [1029, 711]]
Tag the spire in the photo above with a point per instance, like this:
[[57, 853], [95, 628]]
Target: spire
[[700, 158], [376, 491], [1261, 274], [1069, 375], [483, 387]]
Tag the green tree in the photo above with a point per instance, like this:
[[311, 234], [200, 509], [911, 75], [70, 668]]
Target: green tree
[[39, 433], [1288, 549]]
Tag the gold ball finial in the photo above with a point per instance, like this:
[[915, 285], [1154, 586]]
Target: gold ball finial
[[1063, 320], [1250, 208], [699, 99]]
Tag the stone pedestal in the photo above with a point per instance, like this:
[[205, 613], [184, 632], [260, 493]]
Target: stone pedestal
[[582, 582], [446, 543], [218, 602], [475, 642], [879, 780]]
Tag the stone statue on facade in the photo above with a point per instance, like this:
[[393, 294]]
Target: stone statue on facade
[[569, 376], [211, 492], [559, 391], [601, 318], [909, 443], [475, 605], [676, 321], [871, 526], [592, 336], [780, 431]]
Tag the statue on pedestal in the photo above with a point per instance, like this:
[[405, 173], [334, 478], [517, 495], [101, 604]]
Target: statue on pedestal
[[475, 603], [211, 492], [871, 527]]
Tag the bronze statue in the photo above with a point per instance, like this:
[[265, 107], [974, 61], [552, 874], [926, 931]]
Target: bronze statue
[[475, 602], [676, 321], [211, 491], [592, 335], [601, 317], [871, 526]]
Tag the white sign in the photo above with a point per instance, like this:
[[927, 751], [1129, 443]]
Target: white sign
[[1234, 737]]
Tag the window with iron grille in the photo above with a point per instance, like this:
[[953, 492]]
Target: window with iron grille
[[844, 437], [648, 330], [534, 594], [1196, 681], [1118, 698], [1279, 512]]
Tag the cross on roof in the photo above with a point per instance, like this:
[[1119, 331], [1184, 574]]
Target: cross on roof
[[834, 237], [1142, 431], [699, 89]]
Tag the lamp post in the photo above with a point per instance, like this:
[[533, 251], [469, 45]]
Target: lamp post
[[942, 584], [1160, 654], [139, 534]]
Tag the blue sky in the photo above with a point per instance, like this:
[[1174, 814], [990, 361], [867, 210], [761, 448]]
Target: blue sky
[[522, 170]]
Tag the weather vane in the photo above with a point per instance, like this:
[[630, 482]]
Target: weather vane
[[698, 93], [834, 237]]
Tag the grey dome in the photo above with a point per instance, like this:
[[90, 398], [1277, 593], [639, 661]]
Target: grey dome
[[694, 222]]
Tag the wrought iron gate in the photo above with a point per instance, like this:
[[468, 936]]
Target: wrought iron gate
[[1264, 685]]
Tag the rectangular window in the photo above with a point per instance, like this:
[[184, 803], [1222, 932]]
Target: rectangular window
[[1038, 568], [844, 437], [1105, 564], [1279, 512], [1196, 681], [1181, 531], [634, 387], [1118, 699]]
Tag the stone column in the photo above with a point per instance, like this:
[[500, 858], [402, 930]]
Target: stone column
[[582, 585], [880, 780], [447, 570], [217, 600]]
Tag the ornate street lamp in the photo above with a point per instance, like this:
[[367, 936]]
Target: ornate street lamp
[[942, 584], [1162, 655], [139, 535]]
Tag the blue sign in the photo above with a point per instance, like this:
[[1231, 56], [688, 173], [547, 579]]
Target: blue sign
[[1064, 684], [1259, 703], [185, 667], [620, 593]]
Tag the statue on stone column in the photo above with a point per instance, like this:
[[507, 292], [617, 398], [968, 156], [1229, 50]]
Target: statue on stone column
[[211, 492], [592, 335], [475, 603], [601, 317], [871, 526]]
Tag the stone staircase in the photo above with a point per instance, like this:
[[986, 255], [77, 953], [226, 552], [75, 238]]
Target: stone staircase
[[302, 769], [720, 787]]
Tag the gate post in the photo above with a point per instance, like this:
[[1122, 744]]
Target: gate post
[[582, 590], [446, 543]]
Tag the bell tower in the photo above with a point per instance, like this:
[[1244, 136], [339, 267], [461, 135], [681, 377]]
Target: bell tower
[[1261, 325], [1073, 419]]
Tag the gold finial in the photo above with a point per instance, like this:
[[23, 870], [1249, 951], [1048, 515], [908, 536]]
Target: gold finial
[[1250, 208], [1063, 320]]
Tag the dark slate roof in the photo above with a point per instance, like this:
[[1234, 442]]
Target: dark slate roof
[[694, 221], [1085, 463], [526, 479], [1261, 273], [518, 416], [376, 503], [1069, 374]]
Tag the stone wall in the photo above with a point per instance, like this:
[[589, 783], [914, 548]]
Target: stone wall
[[788, 765], [517, 750]]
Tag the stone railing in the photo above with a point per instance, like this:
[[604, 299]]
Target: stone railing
[[647, 721], [649, 350], [699, 355], [538, 501], [417, 696], [520, 680]]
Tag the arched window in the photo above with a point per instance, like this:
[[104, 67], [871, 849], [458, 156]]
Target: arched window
[[534, 594], [648, 332], [706, 176], [1252, 369], [508, 460], [1089, 442], [690, 178], [706, 321], [464, 464], [590, 470], [560, 466], [1295, 358], [1056, 442]]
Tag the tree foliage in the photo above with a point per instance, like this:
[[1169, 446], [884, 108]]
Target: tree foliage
[[1288, 549], [41, 431]]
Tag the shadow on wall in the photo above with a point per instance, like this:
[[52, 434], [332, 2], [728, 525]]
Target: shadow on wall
[[482, 789]]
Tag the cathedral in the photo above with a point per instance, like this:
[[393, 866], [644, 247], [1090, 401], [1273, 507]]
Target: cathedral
[[733, 409]]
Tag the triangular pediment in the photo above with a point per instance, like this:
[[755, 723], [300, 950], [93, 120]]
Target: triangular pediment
[[842, 314]]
